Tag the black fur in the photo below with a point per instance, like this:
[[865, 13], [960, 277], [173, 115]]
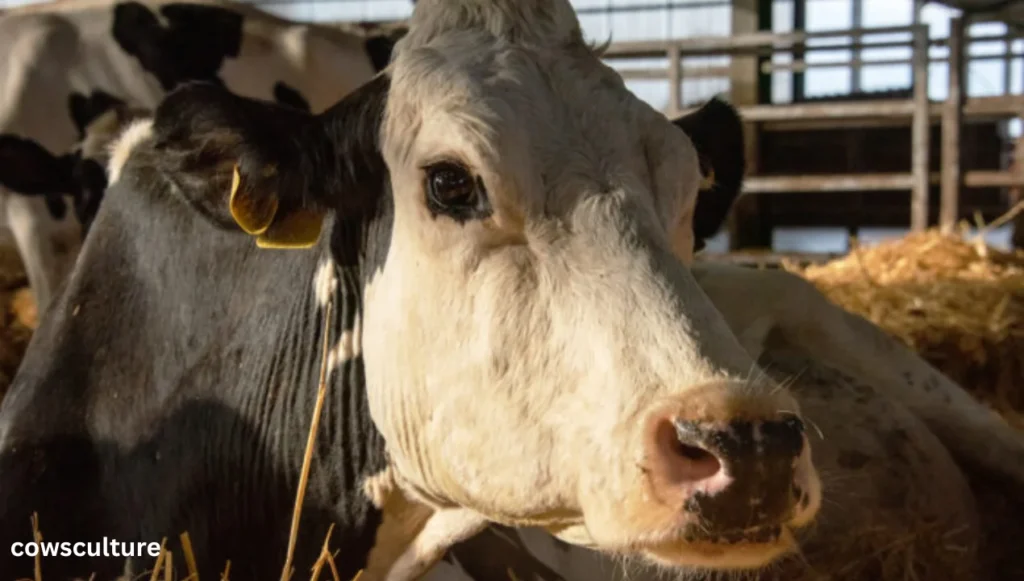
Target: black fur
[[717, 133], [379, 48], [91, 180], [190, 413], [28, 168], [192, 47], [286, 95], [328, 156], [84, 110]]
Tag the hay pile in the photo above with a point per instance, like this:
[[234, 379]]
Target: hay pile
[[17, 314], [957, 302]]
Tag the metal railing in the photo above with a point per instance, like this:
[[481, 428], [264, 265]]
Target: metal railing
[[917, 109]]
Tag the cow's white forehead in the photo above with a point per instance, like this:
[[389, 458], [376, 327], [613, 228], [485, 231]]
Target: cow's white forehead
[[555, 118], [529, 21]]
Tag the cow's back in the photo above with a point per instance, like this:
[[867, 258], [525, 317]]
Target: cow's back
[[135, 52], [322, 63]]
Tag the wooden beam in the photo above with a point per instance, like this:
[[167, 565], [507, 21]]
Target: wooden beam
[[952, 129], [827, 183], [919, 133]]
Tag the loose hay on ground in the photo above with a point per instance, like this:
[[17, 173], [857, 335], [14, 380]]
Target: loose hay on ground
[[957, 302], [17, 315]]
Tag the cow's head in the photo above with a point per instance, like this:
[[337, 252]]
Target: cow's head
[[28, 168], [536, 349]]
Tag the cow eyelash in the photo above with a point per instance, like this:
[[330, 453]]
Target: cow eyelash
[[454, 191]]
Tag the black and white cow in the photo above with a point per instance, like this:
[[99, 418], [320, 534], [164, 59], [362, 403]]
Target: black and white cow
[[502, 229], [63, 59], [881, 406]]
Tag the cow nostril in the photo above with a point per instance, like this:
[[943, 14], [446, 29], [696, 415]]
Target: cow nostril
[[693, 453], [703, 464], [678, 458]]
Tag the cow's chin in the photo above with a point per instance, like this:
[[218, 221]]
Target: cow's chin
[[747, 550], [744, 550]]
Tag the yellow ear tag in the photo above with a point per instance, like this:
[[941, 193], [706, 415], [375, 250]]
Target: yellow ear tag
[[708, 181], [253, 213], [298, 229]]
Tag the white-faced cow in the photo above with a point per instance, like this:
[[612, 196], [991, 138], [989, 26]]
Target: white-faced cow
[[64, 59], [502, 229]]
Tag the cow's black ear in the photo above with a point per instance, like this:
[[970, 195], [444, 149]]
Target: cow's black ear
[[29, 168], [717, 132], [271, 170], [379, 48]]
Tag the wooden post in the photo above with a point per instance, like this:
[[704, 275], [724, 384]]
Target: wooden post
[[675, 103], [952, 125], [919, 132]]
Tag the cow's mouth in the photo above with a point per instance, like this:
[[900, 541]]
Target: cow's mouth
[[742, 549]]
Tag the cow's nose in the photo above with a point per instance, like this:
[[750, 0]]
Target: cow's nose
[[731, 475], [677, 461]]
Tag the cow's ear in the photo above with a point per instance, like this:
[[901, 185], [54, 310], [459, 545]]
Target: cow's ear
[[272, 171], [29, 168], [717, 133], [379, 48]]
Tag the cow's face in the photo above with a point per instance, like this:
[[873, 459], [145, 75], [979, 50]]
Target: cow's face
[[535, 347]]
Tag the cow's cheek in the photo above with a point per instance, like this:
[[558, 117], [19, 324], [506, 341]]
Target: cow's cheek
[[498, 458]]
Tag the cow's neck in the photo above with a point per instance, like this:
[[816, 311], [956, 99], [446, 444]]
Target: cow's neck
[[207, 374]]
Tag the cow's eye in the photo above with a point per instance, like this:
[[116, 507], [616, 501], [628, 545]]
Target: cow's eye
[[454, 191]]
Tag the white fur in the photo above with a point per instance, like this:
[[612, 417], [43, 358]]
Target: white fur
[[121, 149], [444, 529], [325, 283], [347, 347]]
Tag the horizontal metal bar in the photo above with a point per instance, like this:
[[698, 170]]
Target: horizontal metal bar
[[1008, 105], [769, 42], [803, 65], [687, 72], [769, 259], [871, 182], [737, 43]]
